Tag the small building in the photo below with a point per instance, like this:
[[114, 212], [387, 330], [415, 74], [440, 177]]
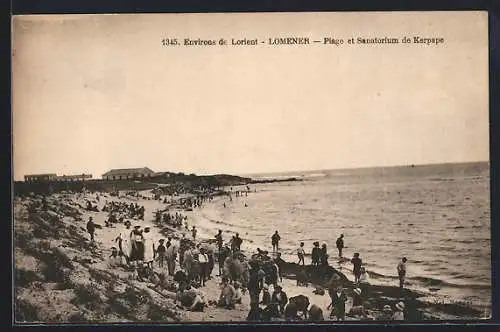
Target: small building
[[74, 178], [40, 177], [128, 173]]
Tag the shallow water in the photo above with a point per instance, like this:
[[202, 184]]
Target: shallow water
[[438, 216]]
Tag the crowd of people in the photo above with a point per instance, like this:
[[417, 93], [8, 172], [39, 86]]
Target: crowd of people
[[124, 210], [172, 219], [185, 266]]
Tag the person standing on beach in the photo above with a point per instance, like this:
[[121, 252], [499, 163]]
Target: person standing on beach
[[171, 255], [364, 282], [160, 253], [356, 262], [254, 285], [123, 247], [220, 257], [323, 257], [237, 242], [402, 272], [193, 232], [137, 244], [91, 229], [149, 247], [340, 244], [275, 239], [315, 254], [219, 240], [301, 253], [203, 260]]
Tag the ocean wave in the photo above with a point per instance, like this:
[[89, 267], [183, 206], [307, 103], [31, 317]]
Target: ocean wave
[[432, 282], [429, 281], [442, 179]]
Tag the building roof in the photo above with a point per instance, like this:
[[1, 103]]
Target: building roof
[[46, 174], [126, 171], [75, 176]]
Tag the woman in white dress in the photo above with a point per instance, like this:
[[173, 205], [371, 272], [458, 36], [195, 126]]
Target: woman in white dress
[[149, 247]]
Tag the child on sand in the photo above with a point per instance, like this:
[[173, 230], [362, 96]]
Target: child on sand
[[301, 253], [402, 272]]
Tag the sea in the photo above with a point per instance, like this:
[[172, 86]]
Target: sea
[[438, 216]]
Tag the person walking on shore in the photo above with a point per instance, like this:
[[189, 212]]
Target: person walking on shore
[[275, 239], [340, 244], [402, 272], [91, 229], [356, 262], [301, 253]]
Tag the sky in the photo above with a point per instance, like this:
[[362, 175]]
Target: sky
[[96, 92]]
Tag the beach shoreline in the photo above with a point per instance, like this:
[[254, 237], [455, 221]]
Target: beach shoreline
[[381, 295], [435, 309]]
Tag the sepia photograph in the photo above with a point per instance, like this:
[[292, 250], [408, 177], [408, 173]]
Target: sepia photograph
[[251, 167]]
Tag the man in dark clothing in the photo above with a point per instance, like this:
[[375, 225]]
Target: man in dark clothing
[[254, 285], [338, 304], [224, 252], [237, 242], [160, 252], [91, 229], [356, 262], [323, 257], [219, 240], [340, 244], [275, 239], [220, 250], [315, 254]]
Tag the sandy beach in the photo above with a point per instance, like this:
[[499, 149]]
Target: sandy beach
[[80, 285]]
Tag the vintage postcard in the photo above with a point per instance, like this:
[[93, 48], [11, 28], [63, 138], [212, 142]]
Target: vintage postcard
[[248, 167]]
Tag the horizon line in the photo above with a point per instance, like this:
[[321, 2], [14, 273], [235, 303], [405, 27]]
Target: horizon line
[[285, 171]]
